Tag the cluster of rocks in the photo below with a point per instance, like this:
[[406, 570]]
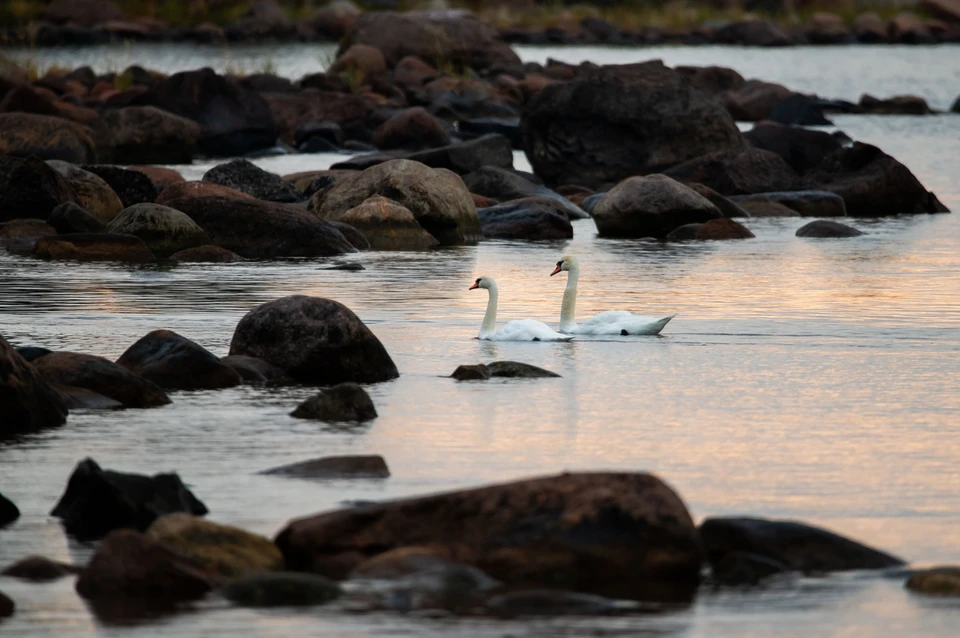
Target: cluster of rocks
[[571, 544]]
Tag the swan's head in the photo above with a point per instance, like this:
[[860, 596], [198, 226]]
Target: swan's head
[[567, 262], [483, 282]]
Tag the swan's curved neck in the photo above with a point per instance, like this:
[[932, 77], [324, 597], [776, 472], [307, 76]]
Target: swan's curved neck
[[568, 309], [489, 325]]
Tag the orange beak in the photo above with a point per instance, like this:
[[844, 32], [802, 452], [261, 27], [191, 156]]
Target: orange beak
[[475, 285], [555, 270]]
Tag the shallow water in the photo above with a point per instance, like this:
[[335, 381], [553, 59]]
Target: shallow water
[[800, 379]]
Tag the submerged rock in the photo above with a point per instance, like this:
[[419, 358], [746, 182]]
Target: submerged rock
[[342, 402], [938, 581], [746, 568], [128, 564], [804, 203], [198, 189], [625, 535], [478, 372], [720, 229], [221, 549], [39, 569], [208, 253], [246, 177], [800, 547], [387, 225], [253, 370], [823, 228], [27, 401], [650, 206], [97, 501], [95, 247], [532, 218], [552, 603], [8, 511], [506, 369], [314, 340], [75, 370], [281, 589], [174, 362], [330, 467], [163, 229], [69, 217]]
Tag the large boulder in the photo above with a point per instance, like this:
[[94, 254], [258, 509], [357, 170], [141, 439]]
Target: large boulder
[[461, 157], [94, 194], [738, 172], [650, 206], [95, 247], [531, 218], [174, 362], [803, 149], [800, 547], [872, 184], [456, 38], [233, 120], [132, 187], [618, 121], [27, 401], [263, 230], [163, 229], [30, 189], [825, 228], [626, 535], [246, 177], [227, 551], [47, 137], [147, 135], [504, 185], [387, 225], [313, 340], [413, 128], [8, 511], [437, 198], [72, 218], [98, 501], [74, 370], [343, 402], [129, 565]]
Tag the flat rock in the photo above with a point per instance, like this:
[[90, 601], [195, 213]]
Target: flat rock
[[39, 569], [532, 218], [805, 203], [207, 253], [824, 228], [332, 467], [506, 185]]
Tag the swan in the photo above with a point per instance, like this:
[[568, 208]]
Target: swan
[[517, 330], [611, 322]]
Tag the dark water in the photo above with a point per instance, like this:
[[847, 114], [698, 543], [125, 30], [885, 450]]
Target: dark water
[[800, 379]]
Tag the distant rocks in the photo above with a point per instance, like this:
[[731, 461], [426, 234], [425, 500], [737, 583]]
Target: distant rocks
[[342, 402], [824, 228], [335, 467], [505, 369], [46, 137]]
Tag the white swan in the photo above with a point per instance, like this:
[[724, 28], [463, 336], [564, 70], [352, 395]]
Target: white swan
[[612, 322], [517, 330]]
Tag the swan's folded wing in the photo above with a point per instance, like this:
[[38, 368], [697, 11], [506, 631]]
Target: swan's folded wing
[[617, 322], [529, 330]]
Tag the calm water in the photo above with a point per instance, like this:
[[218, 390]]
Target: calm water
[[800, 379]]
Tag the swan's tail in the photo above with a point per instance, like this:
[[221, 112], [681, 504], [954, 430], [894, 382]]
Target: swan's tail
[[654, 327]]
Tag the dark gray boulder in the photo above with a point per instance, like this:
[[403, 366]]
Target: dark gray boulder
[[96, 374], [343, 402], [506, 185], [246, 177], [8, 511], [27, 401], [70, 217], [372, 466], [824, 228], [531, 218], [174, 362]]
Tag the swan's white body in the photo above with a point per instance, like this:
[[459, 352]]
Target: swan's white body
[[611, 322], [516, 330]]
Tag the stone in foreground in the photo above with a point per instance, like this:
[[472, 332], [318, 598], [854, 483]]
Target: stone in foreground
[[314, 340], [8, 511], [614, 534], [27, 401], [330, 467]]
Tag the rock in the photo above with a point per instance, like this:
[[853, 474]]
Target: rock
[[281, 589], [614, 122], [827, 28], [869, 28], [752, 32], [95, 247], [99, 375], [256, 229], [8, 511], [19, 228], [956, 106], [38, 569], [360, 64], [822, 228], [387, 225], [610, 534], [801, 148], [687, 232], [27, 402], [531, 218], [478, 127], [97, 501], [948, 10], [589, 203], [356, 114], [198, 189], [908, 28], [744, 568], [802, 110], [763, 207], [726, 206], [83, 399], [29, 353], [164, 230], [174, 362], [478, 372], [800, 547], [248, 178], [46, 137], [413, 128], [30, 189], [712, 79], [148, 135], [457, 38], [938, 581], [552, 603], [460, 157], [233, 120], [207, 253], [94, 194], [253, 370], [437, 198], [505, 185], [650, 206], [330, 132], [871, 183], [7, 606], [128, 564], [897, 105], [515, 370], [804, 203], [82, 13], [743, 171], [161, 176], [755, 100], [357, 240], [336, 467], [334, 19], [313, 340], [343, 402], [716, 229], [132, 187], [223, 550]]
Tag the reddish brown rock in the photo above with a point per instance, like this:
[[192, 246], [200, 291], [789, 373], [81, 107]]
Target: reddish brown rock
[[102, 376], [198, 189], [755, 100], [47, 137], [717, 229], [412, 129], [159, 175], [95, 247], [26, 228]]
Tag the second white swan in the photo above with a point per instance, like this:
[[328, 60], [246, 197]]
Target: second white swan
[[516, 330], [611, 322]]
